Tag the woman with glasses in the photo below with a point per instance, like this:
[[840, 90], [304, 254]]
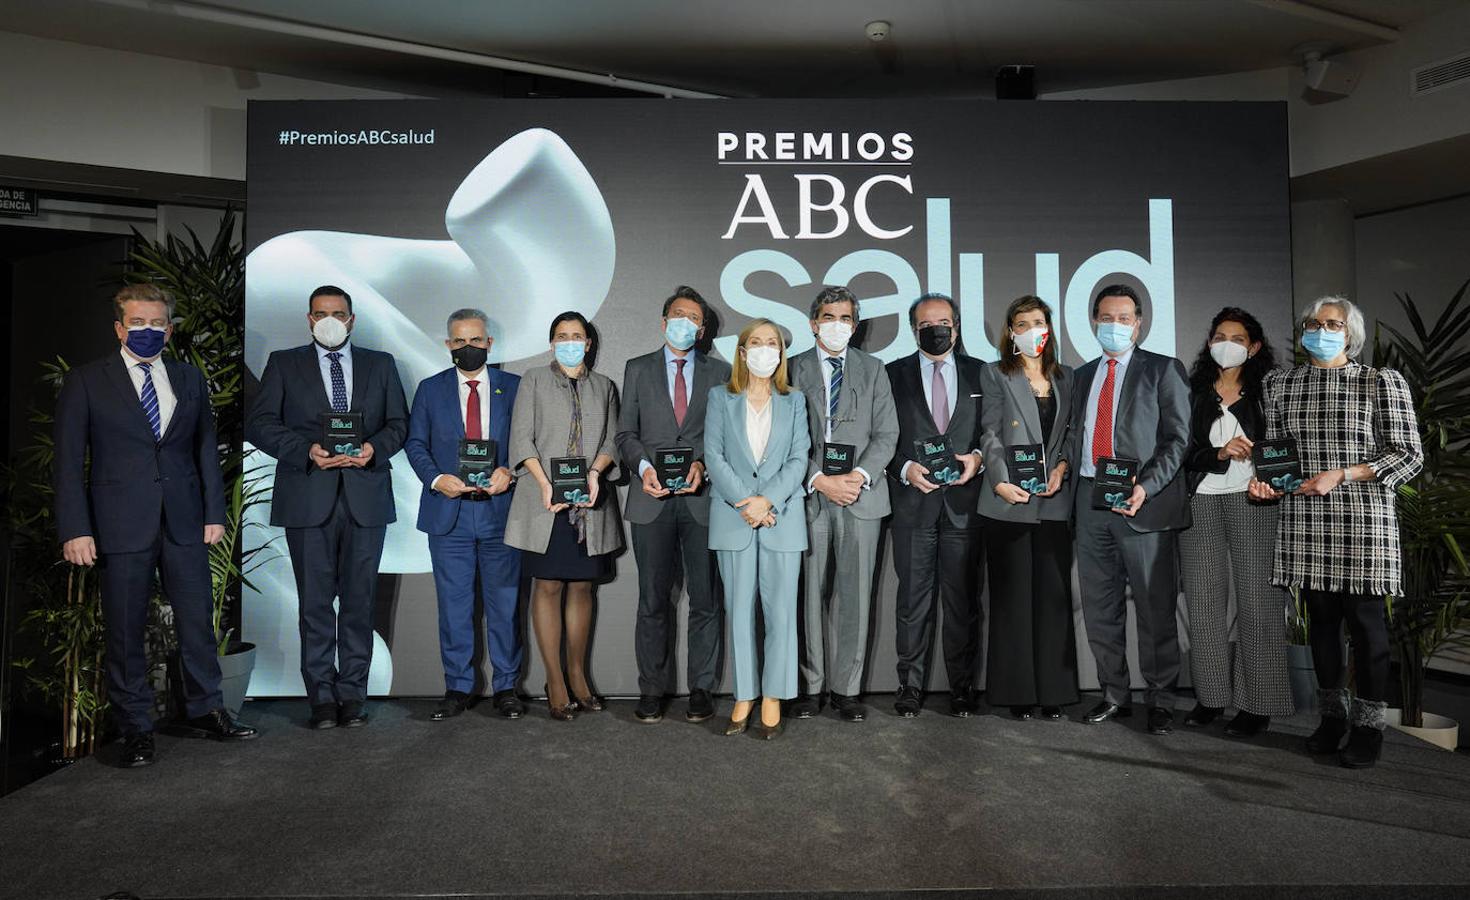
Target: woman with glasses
[[1233, 539], [565, 411], [1338, 540], [1032, 658]]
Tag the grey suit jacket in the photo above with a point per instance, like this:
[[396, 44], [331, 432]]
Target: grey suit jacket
[[865, 418], [1151, 425], [1009, 417], [539, 425], [646, 423]]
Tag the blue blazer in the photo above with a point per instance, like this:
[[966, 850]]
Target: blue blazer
[[137, 485], [435, 428], [735, 474]]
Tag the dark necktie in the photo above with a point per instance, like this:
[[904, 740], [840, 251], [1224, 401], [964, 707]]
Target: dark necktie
[[681, 392], [339, 383], [1102, 428], [834, 388], [472, 412], [150, 401]]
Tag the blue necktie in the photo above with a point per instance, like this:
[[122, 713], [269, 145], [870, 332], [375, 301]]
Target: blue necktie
[[835, 388], [150, 401], [339, 383]]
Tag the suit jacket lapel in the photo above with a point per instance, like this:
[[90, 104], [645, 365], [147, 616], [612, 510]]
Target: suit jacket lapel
[[312, 373], [916, 372], [178, 384], [964, 410], [1062, 389], [739, 410], [117, 373], [1126, 391], [1025, 402]]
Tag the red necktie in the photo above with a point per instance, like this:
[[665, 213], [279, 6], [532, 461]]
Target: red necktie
[[472, 413], [681, 393], [1102, 428]]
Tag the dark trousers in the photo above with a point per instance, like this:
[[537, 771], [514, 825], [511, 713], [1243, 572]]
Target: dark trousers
[[940, 559], [661, 548], [337, 560], [1032, 656], [1363, 613], [477, 542], [127, 588], [1111, 556]]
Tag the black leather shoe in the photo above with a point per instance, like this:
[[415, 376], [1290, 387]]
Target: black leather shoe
[[323, 715], [1202, 715], [908, 702], [352, 714], [1107, 710], [1160, 720], [650, 709], [701, 706], [849, 708], [137, 750], [1364, 746], [1051, 712], [770, 732], [804, 706], [1020, 712], [1328, 736], [217, 725], [962, 704], [1247, 725], [454, 703], [508, 704]]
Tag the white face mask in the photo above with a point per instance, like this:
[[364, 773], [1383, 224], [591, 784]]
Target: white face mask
[[835, 335], [1229, 354], [330, 332], [762, 361], [1031, 341]]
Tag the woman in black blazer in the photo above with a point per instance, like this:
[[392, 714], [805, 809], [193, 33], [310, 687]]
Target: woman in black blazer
[[1233, 537]]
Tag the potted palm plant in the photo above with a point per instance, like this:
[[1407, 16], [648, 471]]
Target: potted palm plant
[[1434, 607]]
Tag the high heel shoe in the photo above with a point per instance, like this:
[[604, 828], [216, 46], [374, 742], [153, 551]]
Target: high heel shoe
[[738, 726], [560, 713], [769, 732], [590, 703]]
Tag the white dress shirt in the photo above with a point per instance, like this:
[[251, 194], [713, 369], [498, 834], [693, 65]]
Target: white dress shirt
[[671, 370], [826, 367], [483, 387], [167, 402], [1085, 466], [758, 428], [1237, 476], [326, 366]]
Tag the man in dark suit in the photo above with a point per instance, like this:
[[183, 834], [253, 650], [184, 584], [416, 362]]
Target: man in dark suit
[[335, 506], [466, 522], [936, 530], [663, 408], [152, 502], [1130, 404], [853, 429]]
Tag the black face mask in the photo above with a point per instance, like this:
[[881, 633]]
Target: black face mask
[[936, 340], [469, 358]]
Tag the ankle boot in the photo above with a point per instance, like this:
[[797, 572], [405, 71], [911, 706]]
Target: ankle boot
[[1365, 743], [1328, 736]]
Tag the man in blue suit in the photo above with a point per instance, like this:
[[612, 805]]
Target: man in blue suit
[[152, 502], [466, 522], [335, 506]]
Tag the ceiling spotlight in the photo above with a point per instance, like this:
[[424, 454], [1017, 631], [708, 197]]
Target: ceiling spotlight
[[877, 31]]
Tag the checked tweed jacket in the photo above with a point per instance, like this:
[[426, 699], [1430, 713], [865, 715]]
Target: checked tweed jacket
[[1347, 540]]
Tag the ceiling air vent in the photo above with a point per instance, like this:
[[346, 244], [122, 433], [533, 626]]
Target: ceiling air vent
[[1437, 76]]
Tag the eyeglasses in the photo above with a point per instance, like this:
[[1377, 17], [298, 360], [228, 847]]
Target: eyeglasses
[[1334, 326]]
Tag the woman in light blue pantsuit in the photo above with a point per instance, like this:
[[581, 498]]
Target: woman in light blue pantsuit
[[755, 449]]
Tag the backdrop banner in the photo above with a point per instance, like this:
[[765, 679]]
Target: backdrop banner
[[526, 208]]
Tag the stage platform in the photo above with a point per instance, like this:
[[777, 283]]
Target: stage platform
[[987, 806]]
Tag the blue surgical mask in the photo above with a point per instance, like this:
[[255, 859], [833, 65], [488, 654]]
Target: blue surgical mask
[[571, 353], [681, 333], [145, 341], [1115, 337], [1324, 345]]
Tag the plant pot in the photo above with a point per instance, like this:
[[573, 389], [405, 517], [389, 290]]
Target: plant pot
[[1303, 677], [234, 669], [1440, 731]]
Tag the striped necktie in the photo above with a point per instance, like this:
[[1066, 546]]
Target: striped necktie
[[834, 387], [150, 401]]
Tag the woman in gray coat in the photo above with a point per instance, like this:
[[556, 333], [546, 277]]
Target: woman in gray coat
[[1033, 657], [562, 411]]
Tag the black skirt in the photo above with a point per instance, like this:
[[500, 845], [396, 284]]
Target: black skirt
[[564, 559]]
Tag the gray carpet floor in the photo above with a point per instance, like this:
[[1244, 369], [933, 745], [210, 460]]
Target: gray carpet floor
[[482, 806]]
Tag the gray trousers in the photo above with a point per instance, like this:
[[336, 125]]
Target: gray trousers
[[1233, 540], [838, 599], [1111, 556]]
